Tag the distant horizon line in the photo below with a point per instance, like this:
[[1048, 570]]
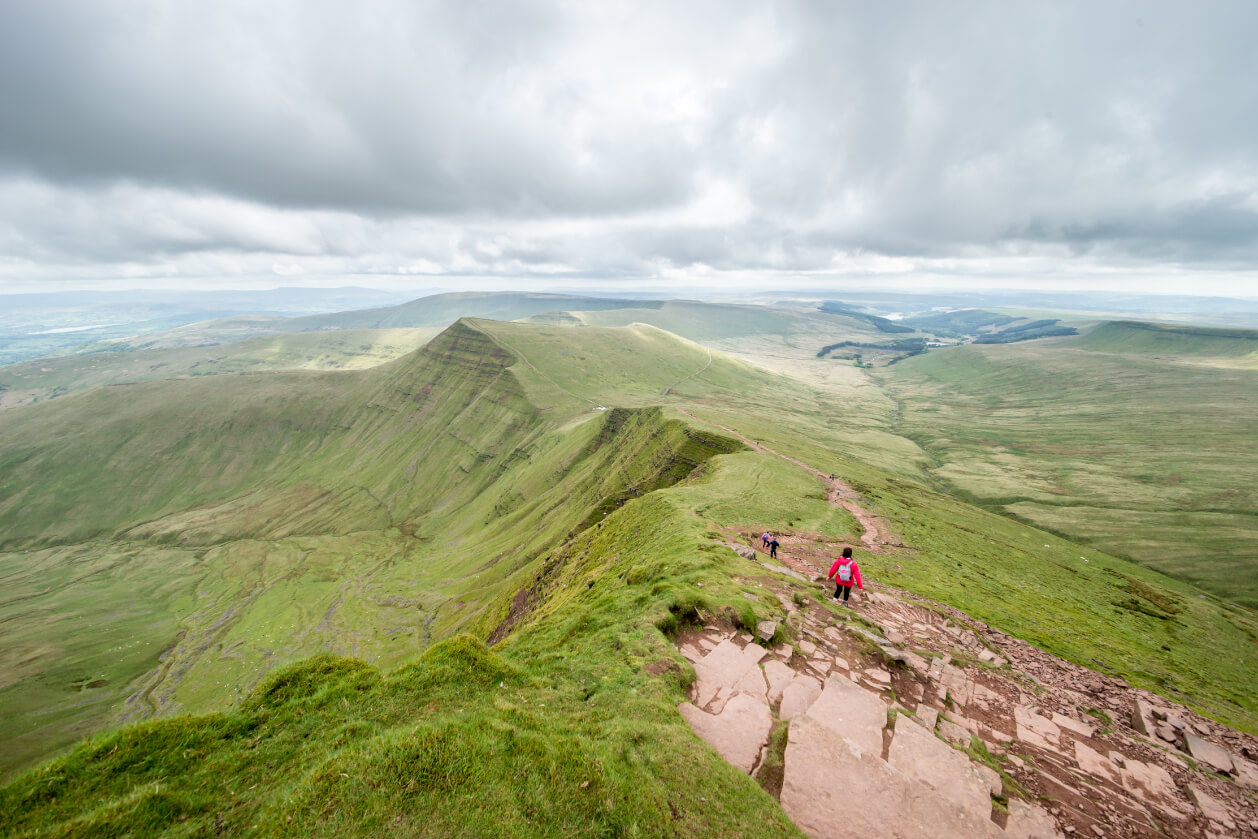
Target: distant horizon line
[[670, 293]]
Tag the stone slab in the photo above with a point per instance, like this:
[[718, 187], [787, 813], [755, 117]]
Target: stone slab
[[923, 757], [798, 696], [1036, 730], [716, 703], [778, 676], [959, 685], [727, 664], [1071, 724], [994, 735], [1096, 764], [1142, 719], [1246, 772], [1147, 779], [722, 667], [1210, 807], [1027, 821], [919, 665], [995, 783], [753, 683], [1203, 751], [928, 717], [737, 733], [832, 788], [856, 713], [877, 674], [954, 733]]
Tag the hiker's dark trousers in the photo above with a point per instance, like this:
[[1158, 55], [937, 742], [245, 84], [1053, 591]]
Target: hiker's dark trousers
[[842, 590]]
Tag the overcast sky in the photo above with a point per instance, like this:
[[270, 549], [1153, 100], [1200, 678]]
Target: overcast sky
[[551, 144]]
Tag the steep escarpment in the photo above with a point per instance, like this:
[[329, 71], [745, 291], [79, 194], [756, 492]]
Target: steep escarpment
[[120, 456], [363, 514]]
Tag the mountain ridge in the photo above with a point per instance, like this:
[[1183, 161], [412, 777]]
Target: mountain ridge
[[621, 533]]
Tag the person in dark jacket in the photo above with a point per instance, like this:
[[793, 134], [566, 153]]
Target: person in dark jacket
[[845, 573], [773, 547]]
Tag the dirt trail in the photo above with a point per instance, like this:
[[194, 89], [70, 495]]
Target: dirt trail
[[840, 494]]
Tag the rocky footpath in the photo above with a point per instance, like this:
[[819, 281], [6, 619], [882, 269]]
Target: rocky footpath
[[897, 717]]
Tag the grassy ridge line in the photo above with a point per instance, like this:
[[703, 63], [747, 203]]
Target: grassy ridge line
[[365, 553], [565, 732]]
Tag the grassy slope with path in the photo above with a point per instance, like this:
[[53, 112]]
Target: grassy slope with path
[[569, 726]]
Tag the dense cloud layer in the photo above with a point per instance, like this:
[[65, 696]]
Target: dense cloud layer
[[595, 140]]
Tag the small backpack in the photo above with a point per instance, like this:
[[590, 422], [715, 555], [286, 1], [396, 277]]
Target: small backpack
[[845, 572]]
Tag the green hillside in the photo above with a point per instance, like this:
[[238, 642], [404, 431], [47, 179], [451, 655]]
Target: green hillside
[[735, 328], [1223, 347], [1138, 453], [401, 463], [168, 547]]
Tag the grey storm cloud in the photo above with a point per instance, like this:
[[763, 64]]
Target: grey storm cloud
[[603, 140]]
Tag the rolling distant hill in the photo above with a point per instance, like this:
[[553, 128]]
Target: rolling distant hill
[[53, 324], [437, 310], [1208, 346], [348, 349], [358, 339]]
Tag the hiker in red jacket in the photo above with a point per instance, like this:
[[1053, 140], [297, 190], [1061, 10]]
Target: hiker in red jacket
[[845, 573]]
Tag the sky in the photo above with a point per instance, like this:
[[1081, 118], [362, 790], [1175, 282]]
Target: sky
[[724, 144]]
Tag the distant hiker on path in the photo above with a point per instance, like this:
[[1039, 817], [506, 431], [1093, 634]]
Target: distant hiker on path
[[845, 572], [773, 547], [764, 538]]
